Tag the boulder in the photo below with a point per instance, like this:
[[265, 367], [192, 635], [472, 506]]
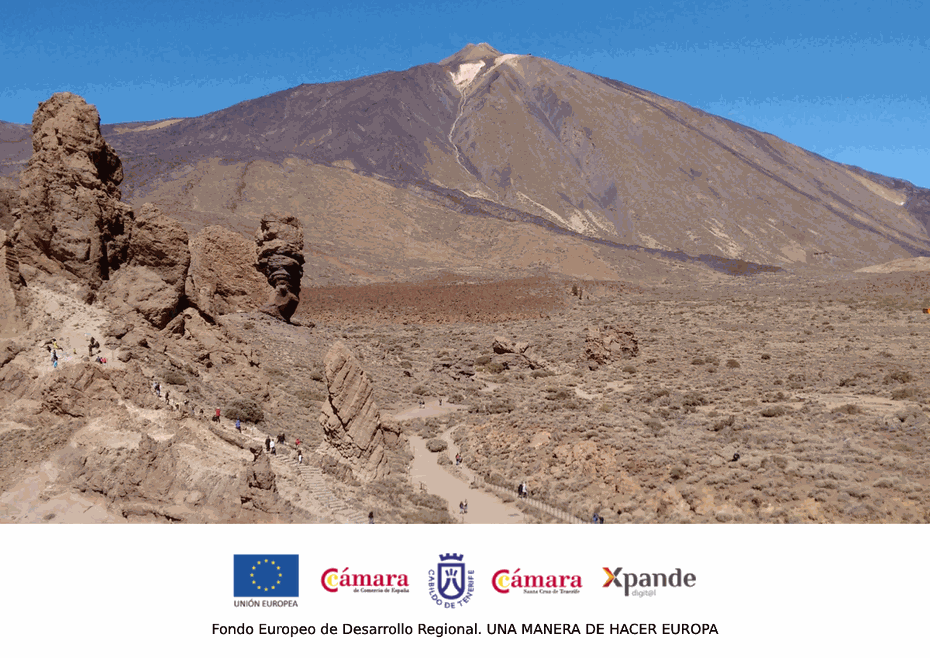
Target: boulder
[[607, 344], [222, 277], [280, 252], [349, 416], [153, 278]]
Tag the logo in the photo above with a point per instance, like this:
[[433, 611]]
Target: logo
[[265, 576], [646, 584], [379, 583], [450, 585], [503, 581]]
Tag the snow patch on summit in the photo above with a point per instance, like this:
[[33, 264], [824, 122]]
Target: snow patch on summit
[[466, 73]]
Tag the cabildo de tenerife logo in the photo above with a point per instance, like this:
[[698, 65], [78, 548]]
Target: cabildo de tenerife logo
[[266, 581], [504, 581], [450, 585], [334, 579]]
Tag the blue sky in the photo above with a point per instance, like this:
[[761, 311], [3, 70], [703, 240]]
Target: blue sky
[[847, 80]]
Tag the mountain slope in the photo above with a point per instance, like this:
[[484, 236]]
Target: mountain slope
[[519, 138]]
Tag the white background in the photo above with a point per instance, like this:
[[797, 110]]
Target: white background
[[770, 590]]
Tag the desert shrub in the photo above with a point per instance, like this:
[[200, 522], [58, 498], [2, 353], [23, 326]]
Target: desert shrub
[[898, 376], [173, 377], [651, 360], [629, 369], [766, 357], [655, 394], [429, 501], [406, 365], [693, 399], [436, 445], [773, 412], [697, 361], [677, 472], [536, 374], [605, 408], [720, 423], [732, 363], [309, 396], [848, 409], [316, 374], [456, 397], [420, 389], [245, 410], [495, 368], [906, 393], [558, 394], [443, 459], [711, 360], [500, 407], [654, 425], [248, 325]]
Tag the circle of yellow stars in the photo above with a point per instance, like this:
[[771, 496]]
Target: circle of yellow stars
[[255, 568]]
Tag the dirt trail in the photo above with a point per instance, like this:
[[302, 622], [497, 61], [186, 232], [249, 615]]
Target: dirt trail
[[482, 507]]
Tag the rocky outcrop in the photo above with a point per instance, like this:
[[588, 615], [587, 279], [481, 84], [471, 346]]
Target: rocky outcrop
[[350, 419], [280, 250], [222, 277], [602, 346], [529, 353], [69, 217], [152, 281]]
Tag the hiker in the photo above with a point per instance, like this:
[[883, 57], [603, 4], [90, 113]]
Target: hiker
[[458, 458], [282, 439], [55, 363], [273, 452], [461, 507], [238, 426], [371, 518], [267, 444], [600, 519], [421, 403], [300, 457], [594, 518], [465, 509], [216, 417], [297, 444], [440, 402], [166, 397], [54, 355]]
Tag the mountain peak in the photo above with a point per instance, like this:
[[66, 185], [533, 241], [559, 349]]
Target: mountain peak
[[471, 53]]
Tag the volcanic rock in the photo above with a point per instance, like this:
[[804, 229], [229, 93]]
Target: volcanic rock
[[602, 346], [350, 419], [530, 353], [222, 277], [280, 246], [70, 219], [153, 280]]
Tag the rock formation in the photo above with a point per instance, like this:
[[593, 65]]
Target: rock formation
[[530, 353], [349, 416], [153, 279], [222, 277], [602, 346], [69, 219], [280, 246]]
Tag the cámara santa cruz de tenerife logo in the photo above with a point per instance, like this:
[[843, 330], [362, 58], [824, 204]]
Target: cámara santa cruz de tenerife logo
[[450, 584]]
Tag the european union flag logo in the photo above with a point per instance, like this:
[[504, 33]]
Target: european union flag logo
[[265, 575]]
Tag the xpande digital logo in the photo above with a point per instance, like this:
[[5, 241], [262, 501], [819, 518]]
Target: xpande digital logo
[[379, 583], [647, 584], [503, 581], [450, 585]]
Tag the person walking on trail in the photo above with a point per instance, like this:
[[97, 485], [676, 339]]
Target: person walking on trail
[[238, 426], [216, 416], [371, 518], [267, 444], [461, 507], [166, 397], [273, 452], [300, 458], [297, 444], [465, 507], [594, 518]]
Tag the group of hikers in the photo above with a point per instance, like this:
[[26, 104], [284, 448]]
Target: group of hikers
[[522, 491], [55, 351]]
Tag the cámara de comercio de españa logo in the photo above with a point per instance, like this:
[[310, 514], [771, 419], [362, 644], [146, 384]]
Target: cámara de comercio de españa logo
[[265, 576], [450, 585], [378, 583]]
